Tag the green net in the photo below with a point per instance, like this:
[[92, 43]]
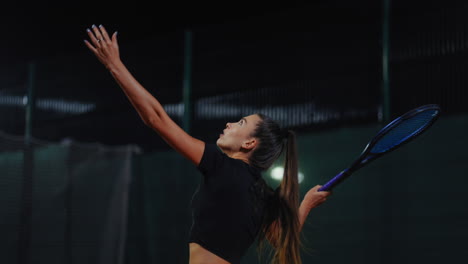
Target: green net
[[63, 202]]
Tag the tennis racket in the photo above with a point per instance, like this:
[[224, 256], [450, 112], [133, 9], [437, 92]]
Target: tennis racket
[[395, 134]]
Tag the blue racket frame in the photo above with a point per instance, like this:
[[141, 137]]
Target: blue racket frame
[[366, 156]]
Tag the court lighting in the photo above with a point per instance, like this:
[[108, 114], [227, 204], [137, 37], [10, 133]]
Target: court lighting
[[277, 174], [48, 104]]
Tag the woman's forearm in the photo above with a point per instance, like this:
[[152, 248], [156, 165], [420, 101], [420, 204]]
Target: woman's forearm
[[312, 199], [147, 106], [303, 213]]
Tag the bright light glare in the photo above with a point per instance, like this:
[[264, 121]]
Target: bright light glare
[[277, 174], [301, 177]]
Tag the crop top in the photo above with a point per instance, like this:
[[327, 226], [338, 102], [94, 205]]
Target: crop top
[[227, 208]]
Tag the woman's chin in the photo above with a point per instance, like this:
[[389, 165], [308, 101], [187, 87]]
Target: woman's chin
[[220, 143]]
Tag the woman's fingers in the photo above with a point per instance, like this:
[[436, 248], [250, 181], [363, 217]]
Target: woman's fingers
[[316, 197], [326, 193], [97, 34], [104, 34], [92, 37], [114, 38], [91, 47]]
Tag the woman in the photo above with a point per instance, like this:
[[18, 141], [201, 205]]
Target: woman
[[233, 205]]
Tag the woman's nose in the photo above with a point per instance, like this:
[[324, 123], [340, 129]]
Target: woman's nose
[[227, 125]]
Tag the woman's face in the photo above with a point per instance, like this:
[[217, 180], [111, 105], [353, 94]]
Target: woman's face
[[237, 135]]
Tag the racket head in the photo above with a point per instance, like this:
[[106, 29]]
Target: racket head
[[395, 134], [403, 129]]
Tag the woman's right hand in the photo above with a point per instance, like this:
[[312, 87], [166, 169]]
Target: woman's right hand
[[104, 47], [314, 198]]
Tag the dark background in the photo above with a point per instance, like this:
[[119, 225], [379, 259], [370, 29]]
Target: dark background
[[315, 67], [47, 29], [296, 48], [319, 63]]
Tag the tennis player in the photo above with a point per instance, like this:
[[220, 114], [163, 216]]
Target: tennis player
[[233, 206]]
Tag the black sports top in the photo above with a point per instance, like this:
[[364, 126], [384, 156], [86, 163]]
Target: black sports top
[[226, 210]]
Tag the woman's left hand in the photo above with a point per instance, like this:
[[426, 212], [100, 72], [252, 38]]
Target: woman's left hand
[[104, 47]]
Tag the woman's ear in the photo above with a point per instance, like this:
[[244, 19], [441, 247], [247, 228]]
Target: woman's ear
[[249, 144]]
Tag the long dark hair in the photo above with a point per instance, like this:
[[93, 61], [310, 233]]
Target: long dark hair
[[280, 225]]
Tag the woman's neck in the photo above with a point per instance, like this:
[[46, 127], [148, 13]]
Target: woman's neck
[[240, 156]]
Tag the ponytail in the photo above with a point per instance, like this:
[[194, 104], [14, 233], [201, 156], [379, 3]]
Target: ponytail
[[281, 223]]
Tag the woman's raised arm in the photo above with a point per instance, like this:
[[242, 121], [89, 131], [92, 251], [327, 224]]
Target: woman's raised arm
[[152, 113]]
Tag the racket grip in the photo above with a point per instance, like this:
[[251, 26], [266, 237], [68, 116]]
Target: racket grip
[[333, 182]]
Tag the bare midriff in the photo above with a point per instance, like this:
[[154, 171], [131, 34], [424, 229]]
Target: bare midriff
[[200, 255]]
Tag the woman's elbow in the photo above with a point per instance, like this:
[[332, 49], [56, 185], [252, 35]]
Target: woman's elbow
[[153, 121]]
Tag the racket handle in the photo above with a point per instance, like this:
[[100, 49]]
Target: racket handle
[[333, 182]]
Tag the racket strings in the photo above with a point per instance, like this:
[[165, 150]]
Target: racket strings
[[404, 130]]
